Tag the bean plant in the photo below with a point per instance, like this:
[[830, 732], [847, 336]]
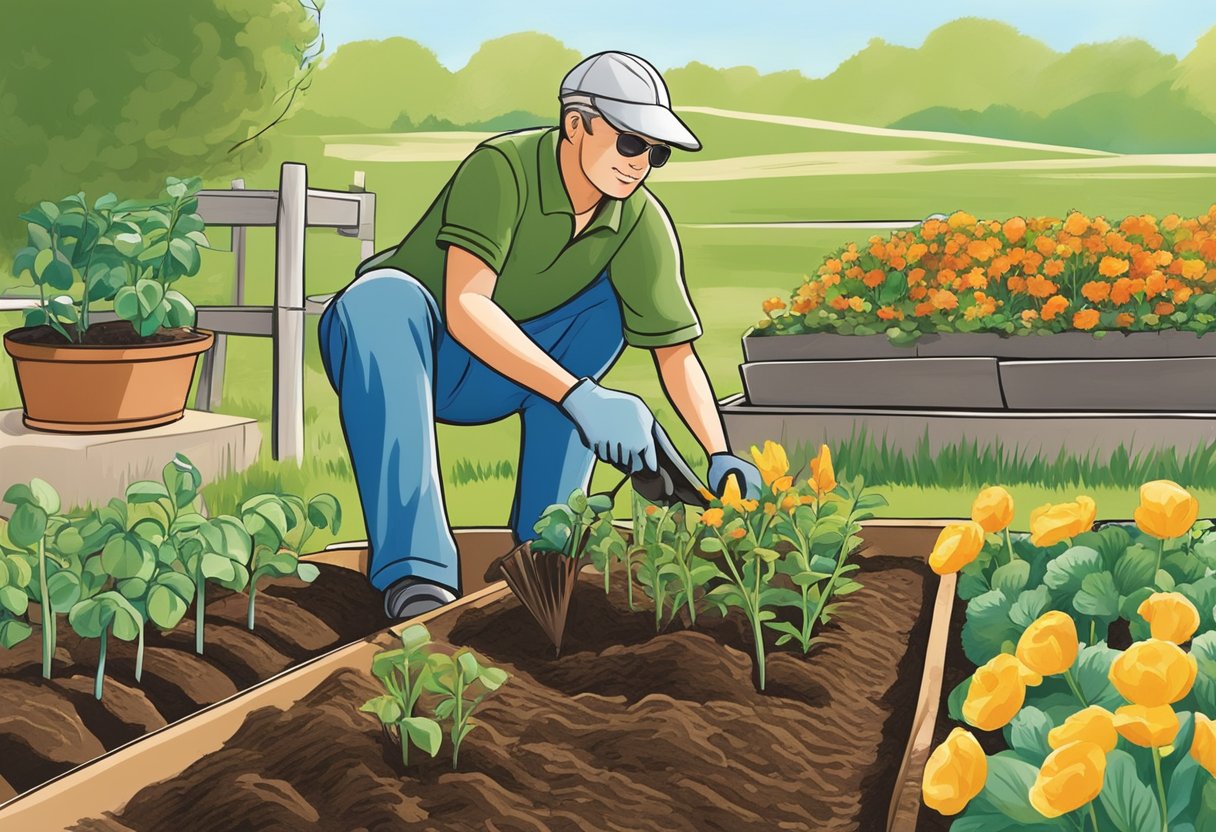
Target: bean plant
[[402, 672], [462, 683]]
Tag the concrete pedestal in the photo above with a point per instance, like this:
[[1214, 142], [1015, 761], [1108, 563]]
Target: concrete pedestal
[[92, 468]]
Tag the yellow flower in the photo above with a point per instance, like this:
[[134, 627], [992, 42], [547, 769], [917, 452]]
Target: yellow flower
[[1049, 645], [954, 773], [1154, 672], [1049, 524], [993, 509], [1203, 747], [1094, 724], [1166, 509], [823, 477], [712, 517], [770, 509], [783, 484], [1071, 777], [733, 498], [957, 545], [1147, 726], [1171, 616], [772, 461], [996, 694]]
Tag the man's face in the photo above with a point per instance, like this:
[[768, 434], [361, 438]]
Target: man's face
[[606, 167]]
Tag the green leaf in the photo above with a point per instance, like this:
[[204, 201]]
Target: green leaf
[[65, 590], [1029, 606], [146, 491], [181, 310], [1066, 572], [988, 626], [1092, 672], [1012, 577], [1027, 734], [424, 733], [14, 600], [156, 251], [45, 495], [1098, 596], [1007, 788], [13, 632], [307, 572], [183, 252], [217, 567], [19, 493], [149, 293], [27, 524], [1134, 570], [123, 557], [414, 637], [126, 304], [324, 512], [1131, 803], [492, 678], [385, 707], [165, 607], [444, 709]]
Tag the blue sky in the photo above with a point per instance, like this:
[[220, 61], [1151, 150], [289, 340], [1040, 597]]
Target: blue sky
[[810, 35]]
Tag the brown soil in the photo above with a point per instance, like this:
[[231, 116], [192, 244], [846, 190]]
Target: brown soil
[[104, 334], [50, 726], [626, 731]]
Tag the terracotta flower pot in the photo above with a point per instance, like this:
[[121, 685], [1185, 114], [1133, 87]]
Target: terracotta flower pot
[[88, 388]]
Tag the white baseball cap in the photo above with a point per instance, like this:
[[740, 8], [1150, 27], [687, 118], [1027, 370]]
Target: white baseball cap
[[631, 95]]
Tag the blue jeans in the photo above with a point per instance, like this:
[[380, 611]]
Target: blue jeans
[[397, 372]]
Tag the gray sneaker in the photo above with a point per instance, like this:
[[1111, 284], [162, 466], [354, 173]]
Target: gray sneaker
[[409, 597]]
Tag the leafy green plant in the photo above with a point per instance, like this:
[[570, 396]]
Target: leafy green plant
[[402, 671], [568, 527], [606, 546], [655, 572], [271, 520], [97, 617], [458, 679], [688, 572]]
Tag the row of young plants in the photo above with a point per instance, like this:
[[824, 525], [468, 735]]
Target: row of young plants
[[141, 560], [789, 549], [1018, 276], [1096, 737]]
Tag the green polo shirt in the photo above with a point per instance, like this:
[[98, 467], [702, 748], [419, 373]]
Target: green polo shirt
[[507, 205]]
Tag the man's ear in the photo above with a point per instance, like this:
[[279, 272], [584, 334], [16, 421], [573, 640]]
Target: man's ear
[[570, 122]]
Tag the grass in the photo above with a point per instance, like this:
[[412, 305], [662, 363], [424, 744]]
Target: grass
[[728, 272]]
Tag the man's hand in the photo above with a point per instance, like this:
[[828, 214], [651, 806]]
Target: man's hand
[[723, 465], [618, 426]]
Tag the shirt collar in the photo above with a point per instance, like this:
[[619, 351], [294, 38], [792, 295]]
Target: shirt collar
[[553, 196]]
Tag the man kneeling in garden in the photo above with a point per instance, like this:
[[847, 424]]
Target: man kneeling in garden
[[539, 260]]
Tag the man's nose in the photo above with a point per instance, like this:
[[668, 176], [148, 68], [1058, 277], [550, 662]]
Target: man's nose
[[639, 164]]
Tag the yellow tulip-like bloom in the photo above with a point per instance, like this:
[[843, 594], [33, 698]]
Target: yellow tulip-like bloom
[[1071, 777], [1166, 509], [712, 517], [997, 692], [772, 461], [1203, 746], [955, 773], [957, 545], [1154, 672], [733, 498], [1171, 616], [993, 509], [1049, 645], [1094, 724], [1049, 524], [823, 476], [1147, 726]]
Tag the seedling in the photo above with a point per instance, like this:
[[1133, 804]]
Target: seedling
[[271, 520], [455, 678], [657, 568], [403, 672], [689, 571]]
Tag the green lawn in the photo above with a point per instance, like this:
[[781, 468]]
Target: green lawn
[[728, 271]]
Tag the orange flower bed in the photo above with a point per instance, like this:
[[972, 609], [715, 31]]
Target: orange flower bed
[[1016, 277]]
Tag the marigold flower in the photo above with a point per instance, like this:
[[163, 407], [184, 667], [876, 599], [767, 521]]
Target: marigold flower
[[954, 773], [839, 303], [996, 694], [980, 250], [889, 313], [960, 219], [857, 304], [1038, 286], [957, 545], [737, 534], [1054, 306], [1112, 267], [1049, 524], [1049, 645], [1203, 746], [1093, 724], [823, 476], [1166, 509], [1163, 308], [1086, 319], [1076, 224], [1095, 291], [1029, 315], [1014, 229], [945, 300], [733, 498], [924, 309], [803, 305], [992, 509], [1192, 269], [772, 305], [1147, 726], [1154, 672], [1070, 777], [1124, 320], [1053, 267], [712, 517], [1171, 616], [1154, 284], [874, 278]]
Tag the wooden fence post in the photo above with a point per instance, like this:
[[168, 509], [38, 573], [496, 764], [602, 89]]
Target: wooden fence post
[[287, 434], [366, 247], [211, 380]]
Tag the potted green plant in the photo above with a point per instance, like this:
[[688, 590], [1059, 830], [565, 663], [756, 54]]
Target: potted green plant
[[78, 375]]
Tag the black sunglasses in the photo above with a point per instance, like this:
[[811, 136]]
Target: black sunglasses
[[630, 144]]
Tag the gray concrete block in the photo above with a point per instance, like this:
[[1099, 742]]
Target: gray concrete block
[[820, 345], [1040, 433], [1156, 384], [1068, 345], [933, 383], [92, 468]]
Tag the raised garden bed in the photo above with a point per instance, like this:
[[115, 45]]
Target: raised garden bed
[[627, 730]]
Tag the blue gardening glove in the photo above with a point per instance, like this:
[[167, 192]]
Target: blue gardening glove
[[617, 426], [723, 465]]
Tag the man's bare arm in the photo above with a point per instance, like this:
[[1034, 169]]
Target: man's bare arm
[[485, 330], [688, 388]]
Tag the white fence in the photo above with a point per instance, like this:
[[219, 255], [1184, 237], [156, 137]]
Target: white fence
[[289, 210]]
